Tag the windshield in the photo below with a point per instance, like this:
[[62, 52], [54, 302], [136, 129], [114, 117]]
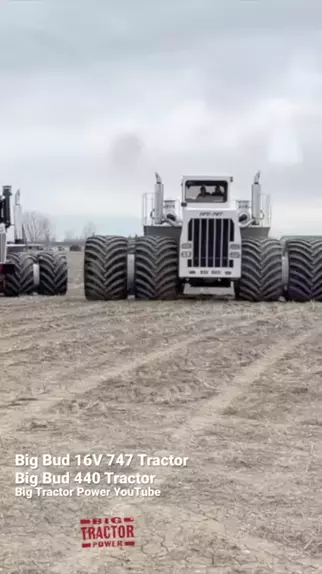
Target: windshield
[[211, 191]]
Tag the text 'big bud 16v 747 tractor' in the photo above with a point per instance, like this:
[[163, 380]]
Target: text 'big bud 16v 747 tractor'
[[24, 268], [204, 244]]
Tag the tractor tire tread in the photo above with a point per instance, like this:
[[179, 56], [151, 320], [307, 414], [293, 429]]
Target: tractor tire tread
[[156, 268], [53, 273], [261, 270], [105, 268], [305, 270], [21, 282]]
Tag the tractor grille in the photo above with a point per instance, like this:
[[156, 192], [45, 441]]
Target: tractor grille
[[210, 242]]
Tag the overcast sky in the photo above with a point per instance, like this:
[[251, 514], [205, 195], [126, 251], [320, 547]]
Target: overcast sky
[[96, 95]]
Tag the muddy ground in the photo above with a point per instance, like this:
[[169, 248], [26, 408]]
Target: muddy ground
[[234, 387]]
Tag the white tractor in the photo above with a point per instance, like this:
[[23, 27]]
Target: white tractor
[[27, 268], [204, 244]]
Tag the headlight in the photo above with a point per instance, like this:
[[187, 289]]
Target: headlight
[[234, 255], [186, 246], [186, 254]]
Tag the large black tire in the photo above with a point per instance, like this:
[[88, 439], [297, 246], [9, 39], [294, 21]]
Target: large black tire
[[305, 270], [156, 268], [261, 270], [53, 273], [21, 281], [105, 268]]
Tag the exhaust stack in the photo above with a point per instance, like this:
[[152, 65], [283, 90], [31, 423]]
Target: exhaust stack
[[18, 220], [5, 214], [256, 200], [158, 200]]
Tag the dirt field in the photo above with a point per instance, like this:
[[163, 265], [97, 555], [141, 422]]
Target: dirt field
[[234, 387]]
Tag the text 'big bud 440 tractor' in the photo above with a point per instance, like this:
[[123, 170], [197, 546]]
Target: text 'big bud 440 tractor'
[[204, 244], [26, 269]]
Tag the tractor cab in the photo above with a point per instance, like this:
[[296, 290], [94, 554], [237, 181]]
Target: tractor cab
[[205, 190]]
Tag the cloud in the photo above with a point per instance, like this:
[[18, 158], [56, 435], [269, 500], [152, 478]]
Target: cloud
[[97, 96]]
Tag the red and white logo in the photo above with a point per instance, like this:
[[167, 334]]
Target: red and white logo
[[107, 532]]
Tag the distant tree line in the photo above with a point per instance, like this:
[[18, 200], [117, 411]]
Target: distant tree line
[[38, 228]]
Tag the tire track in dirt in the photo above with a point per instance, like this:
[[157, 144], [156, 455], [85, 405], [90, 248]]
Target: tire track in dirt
[[66, 311], [22, 311], [24, 308], [205, 416], [57, 325], [198, 524], [243, 380], [69, 331], [198, 419], [84, 383], [46, 320], [52, 361], [102, 342], [60, 340], [189, 376]]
